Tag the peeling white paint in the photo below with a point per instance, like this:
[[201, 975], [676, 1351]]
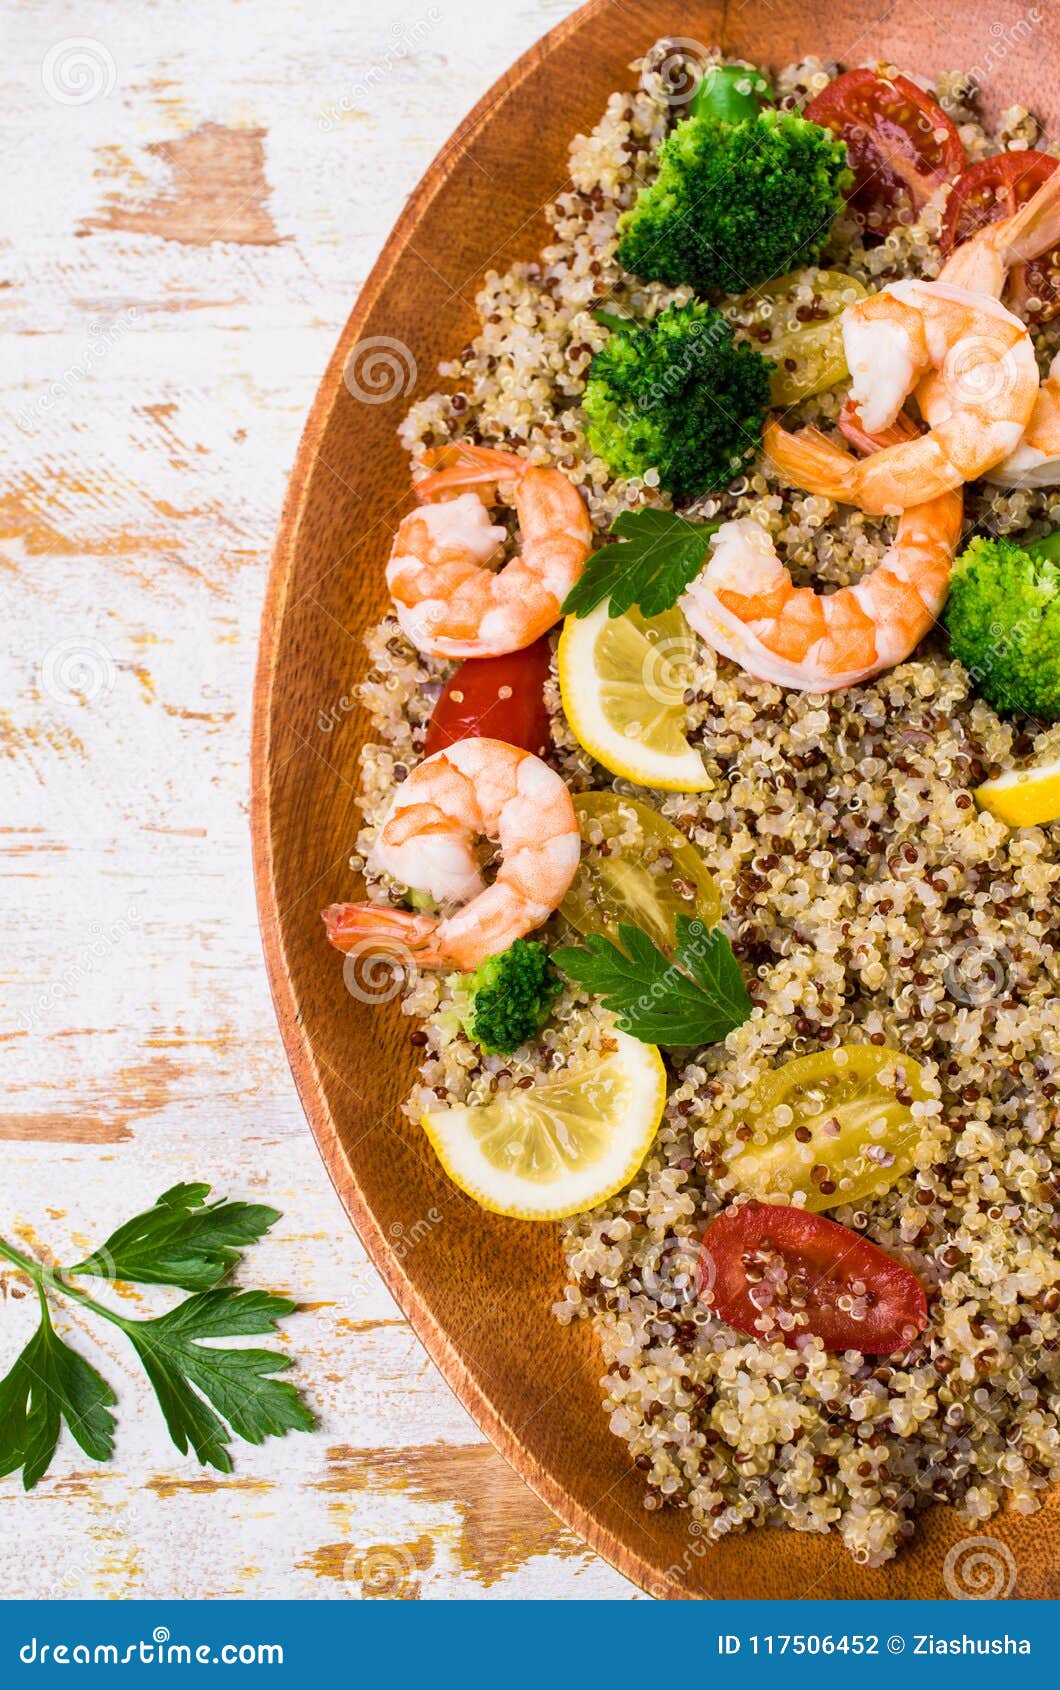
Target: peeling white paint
[[154, 392]]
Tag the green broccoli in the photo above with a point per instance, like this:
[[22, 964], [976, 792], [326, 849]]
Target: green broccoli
[[678, 394], [510, 997], [741, 195], [1003, 618]]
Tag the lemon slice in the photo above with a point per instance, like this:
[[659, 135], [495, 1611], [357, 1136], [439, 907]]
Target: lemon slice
[[561, 1147], [622, 682], [1023, 797]]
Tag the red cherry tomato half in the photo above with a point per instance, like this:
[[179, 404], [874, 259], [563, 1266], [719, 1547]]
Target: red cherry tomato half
[[900, 143], [761, 1261], [993, 188], [498, 697]]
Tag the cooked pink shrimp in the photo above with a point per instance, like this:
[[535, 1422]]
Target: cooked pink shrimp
[[448, 600], [1036, 460], [983, 262], [982, 389], [477, 788], [745, 604]]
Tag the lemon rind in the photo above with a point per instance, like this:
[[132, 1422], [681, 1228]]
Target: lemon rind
[[649, 1094], [594, 732]]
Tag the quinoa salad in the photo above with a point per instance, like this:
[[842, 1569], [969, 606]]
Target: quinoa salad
[[831, 864]]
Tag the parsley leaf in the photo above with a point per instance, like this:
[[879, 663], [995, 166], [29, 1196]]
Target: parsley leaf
[[208, 1394], [694, 999], [49, 1384], [236, 1381], [658, 553], [182, 1241]]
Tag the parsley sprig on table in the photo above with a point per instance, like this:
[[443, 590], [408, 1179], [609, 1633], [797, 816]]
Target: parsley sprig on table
[[208, 1394], [658, 553], [694, 998]]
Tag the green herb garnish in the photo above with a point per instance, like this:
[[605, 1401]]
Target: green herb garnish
[[658, 553], [186, 1242], [182, 1241], [730, 94], [694, 998]]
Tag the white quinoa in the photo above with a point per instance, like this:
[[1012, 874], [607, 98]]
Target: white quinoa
[[866, 898]]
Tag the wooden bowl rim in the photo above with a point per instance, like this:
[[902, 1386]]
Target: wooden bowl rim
[[619, 1552], [299, 1050]]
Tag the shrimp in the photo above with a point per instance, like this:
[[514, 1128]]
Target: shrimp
[[745, 604], [1036, 460], [983, 262], [981, 388], [448, 601], [473, 789]]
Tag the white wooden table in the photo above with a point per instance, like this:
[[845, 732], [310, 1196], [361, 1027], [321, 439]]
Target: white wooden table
[[193, 193]]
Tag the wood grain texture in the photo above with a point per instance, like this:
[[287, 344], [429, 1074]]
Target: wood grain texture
[[182, 233], [477, 1289]]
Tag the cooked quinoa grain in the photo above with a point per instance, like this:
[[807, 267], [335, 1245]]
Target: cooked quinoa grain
[[868, 901]]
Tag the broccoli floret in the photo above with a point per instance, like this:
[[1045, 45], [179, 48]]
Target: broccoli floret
[[678, 394], [1003, 618], [735, 204], [510, 997]]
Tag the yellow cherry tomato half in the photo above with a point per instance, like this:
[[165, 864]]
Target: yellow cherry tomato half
[[636, 867], [837, 1126], [796, 321]]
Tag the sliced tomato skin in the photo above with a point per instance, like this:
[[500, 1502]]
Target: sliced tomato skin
[[900, 143], [498, 697], [993, 188], [830, 1258]]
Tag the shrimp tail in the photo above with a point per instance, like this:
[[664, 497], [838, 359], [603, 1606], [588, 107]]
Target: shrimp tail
[[1035, 227], [811, 462], [853, 429], [361, 928], [984, 261], [460, 465]]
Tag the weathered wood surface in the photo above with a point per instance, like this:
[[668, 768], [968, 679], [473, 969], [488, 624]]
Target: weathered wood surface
[[193, 193]]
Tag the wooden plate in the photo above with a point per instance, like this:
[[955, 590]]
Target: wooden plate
[[478, 1289]]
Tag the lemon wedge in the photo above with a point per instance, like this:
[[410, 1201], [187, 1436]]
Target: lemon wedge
[[1023, 797], [622, 682], [561, 1147]]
